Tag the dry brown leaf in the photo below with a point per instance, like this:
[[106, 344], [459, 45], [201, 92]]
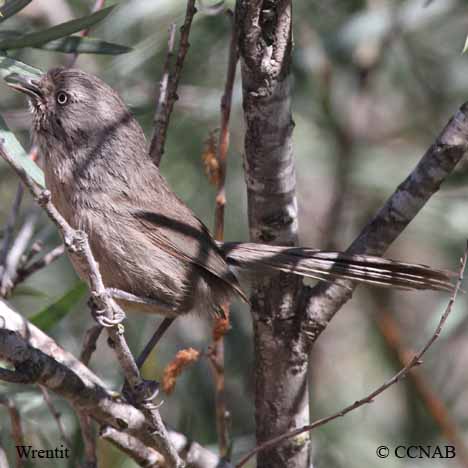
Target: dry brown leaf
[[182, 359], [210, 159]]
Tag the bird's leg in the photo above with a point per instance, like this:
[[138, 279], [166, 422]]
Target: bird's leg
[[100, 317], [150, 388], [164, 325]]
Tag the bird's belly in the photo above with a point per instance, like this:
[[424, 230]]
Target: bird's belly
[[130, 262]]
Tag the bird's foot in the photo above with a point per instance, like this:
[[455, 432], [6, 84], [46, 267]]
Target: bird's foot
[[144, 393], [102, 315]]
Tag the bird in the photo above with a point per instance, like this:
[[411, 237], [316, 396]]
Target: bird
[[153, 252]]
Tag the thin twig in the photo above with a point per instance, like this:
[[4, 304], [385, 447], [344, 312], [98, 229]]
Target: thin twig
[[56, 414], [223, 416], [89, 439], [86, 424], [27, 257], [143, 456], [160, 115], [415, 361], [16, 427], [168, 98], [8, 260], [46, 260], [38, 359], [324, 300], [16, 251], [9, 228], [389, 329], [89, 343], [223, 145], [78, 247], [216, 353]]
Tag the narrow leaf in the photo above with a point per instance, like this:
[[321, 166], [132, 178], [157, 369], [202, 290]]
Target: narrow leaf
[[84, 45], [55, 32], [75, 44], [11, 8], [14, 148], [9, 66], [52, 314]]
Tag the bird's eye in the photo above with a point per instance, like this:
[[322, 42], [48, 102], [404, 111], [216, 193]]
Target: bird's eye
[[62, 98]]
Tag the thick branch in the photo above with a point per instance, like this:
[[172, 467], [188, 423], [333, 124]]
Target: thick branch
[[325, 300], [38, 359], [415, 361], [265, 44]]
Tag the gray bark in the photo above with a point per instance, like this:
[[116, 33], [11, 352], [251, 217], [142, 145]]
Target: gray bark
[[38, 359], [411, 195], [289, 317], [281, 388]]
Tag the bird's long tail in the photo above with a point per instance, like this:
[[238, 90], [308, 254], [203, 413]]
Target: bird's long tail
[[326, 266]]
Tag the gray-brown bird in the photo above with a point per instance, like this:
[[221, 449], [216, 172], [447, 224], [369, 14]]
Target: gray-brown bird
[[148, 243]]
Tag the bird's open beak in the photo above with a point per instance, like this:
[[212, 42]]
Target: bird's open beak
[[25, 84]]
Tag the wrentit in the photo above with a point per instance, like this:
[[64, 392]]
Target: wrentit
[[148, 243]]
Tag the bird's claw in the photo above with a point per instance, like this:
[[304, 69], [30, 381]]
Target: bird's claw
[[101, 316], [144, 393]]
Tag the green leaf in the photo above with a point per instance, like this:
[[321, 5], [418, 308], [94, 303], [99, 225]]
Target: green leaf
[[14, 148], [55, 32], [75, 44], [11, 8], [8, 66], [52, 314], [84, 45]]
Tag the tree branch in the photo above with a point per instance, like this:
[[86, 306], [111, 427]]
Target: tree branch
[[8, 231], [265, 43], [56, 415], [216, 352], [324, 300], [415, 361], [46, 260], [16, 427], [169, 84], [390, 331], [38, 359]]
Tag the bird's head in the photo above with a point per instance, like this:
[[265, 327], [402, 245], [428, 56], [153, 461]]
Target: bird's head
[[77, 115], [71, 103]]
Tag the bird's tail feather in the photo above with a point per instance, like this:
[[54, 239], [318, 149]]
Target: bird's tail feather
[[326, 266]]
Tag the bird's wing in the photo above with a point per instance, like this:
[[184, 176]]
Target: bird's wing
[[190, 241], [171, 225]]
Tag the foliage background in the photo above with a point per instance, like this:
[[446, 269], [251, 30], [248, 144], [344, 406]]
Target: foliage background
[[373, 83]]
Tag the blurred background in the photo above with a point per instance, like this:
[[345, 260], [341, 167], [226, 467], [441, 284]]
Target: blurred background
[[373, 83]]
